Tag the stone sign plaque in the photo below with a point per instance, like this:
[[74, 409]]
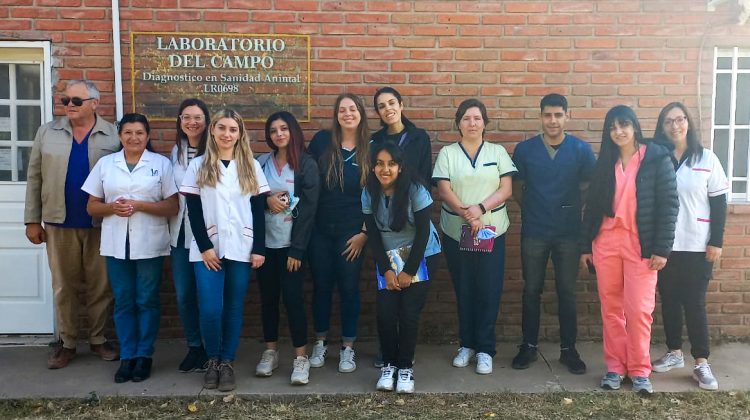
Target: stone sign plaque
[[252, 73]]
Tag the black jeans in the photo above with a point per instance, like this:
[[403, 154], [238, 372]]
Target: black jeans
[[535, 253], [682, 286], [478, 282], [276, 281], [398, 319]]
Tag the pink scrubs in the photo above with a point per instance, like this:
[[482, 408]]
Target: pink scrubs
[[627, 287]]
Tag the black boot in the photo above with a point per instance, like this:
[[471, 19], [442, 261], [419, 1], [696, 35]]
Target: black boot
[[142, 369], [125, 372]]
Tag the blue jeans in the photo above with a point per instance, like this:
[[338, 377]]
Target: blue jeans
[[329, 269], [187, 295], [535, 253], [478, 282], [221, 298], [135, 286]]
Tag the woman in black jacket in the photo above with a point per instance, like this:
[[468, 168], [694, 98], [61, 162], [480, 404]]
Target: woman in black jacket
[[414, 141], [629, 224], [292, 175]]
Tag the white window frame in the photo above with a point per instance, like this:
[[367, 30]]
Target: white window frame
[[45, 101], [734, 53]]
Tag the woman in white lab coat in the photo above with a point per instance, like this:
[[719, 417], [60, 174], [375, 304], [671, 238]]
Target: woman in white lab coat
[[134, 192]]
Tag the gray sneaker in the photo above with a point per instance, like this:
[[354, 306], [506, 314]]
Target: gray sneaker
[[702, 373], [300, 371], [642, 385], [269, 361], [611, 381], [669, 361]]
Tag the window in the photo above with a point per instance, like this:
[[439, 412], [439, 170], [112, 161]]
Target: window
[[730, 137], [24, 87]]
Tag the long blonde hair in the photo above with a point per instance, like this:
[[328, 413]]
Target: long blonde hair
[[209, 173], [332, 158]]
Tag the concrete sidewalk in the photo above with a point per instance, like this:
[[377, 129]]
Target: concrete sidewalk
[[25, 374]]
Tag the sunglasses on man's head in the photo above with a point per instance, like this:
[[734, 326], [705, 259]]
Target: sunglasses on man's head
[[76, 100]]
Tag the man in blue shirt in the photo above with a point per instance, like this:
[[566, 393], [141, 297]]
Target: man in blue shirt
[[553, 169], [63, 153]]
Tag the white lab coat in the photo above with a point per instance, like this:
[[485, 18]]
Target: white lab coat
[[175, 222]]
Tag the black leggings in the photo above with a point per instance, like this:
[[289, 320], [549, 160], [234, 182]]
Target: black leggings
[[682, 286], [276, 281]]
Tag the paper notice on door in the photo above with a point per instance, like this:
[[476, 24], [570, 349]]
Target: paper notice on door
[[5, 160]]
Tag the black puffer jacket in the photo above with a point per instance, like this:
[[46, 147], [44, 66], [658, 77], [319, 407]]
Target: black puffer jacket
[[657, 205], [417, 151]]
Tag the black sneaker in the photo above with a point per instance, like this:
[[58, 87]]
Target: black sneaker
[[125, 372], [142, 369], [526, 355], [570, 358], [195, 360]]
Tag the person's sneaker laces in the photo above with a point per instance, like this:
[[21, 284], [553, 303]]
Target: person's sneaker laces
[[405, 383], [269, 361], [463, 357], [387, 378], [642, 385], [211, 379], [526, 355], [195, 360], [570, 358], [319, 352], [300, 371], [669, 361], [346, 360], [611, 381], [484, 364], [706, 380], [226, 376]]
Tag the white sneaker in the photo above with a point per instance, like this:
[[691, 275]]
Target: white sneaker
[[706, 380], [484, 364], [269, 361], [301, 370], [319, 352], [405, 384], [463, 357], [346, 360], [387, 378]]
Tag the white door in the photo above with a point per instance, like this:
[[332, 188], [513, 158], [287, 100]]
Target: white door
[[25, 103]]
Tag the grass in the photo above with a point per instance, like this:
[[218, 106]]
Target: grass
[[596, 405]]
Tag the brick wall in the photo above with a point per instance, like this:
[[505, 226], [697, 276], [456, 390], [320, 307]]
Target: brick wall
[[508, 53]]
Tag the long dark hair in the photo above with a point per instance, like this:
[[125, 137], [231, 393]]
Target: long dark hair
[[400, 198], [694, 148], [387, 89], [296, 146], [136, 118], [332, 159], [181, 134], [602, 190]]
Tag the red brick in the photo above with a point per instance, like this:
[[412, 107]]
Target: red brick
[[367, 18], [618, 6], [430, 78], [340, 54], [367, 42], [141, 14], [259, 16], [297, 28], [431, 55], [87, 37], [412, 66], [144, 26], [366, 66], [32, 12], [15, 25], [435, 6], [313, 17], [202, 4], [250, 4], [596, 43], [414, 42], [435, 30], [660, 79], [154, 4], [58, 3], [532, 55], [503, 20], [549, 67], [82, 14], [568, 7], [549, 20], [620, 79], [340, 78], [593, 19], [383, 29], [594, 67], [528, 7], [385, 78], [389, 6], [458, 67], [476, 55], [526, 31], [180, 15], [521, 79], [481, 78], [385, 54], [342, 29], [505, 67], [453, 19], [348, 5], [86, 63], [457, 91], [318, 65], [57, 25], [460, 42]]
